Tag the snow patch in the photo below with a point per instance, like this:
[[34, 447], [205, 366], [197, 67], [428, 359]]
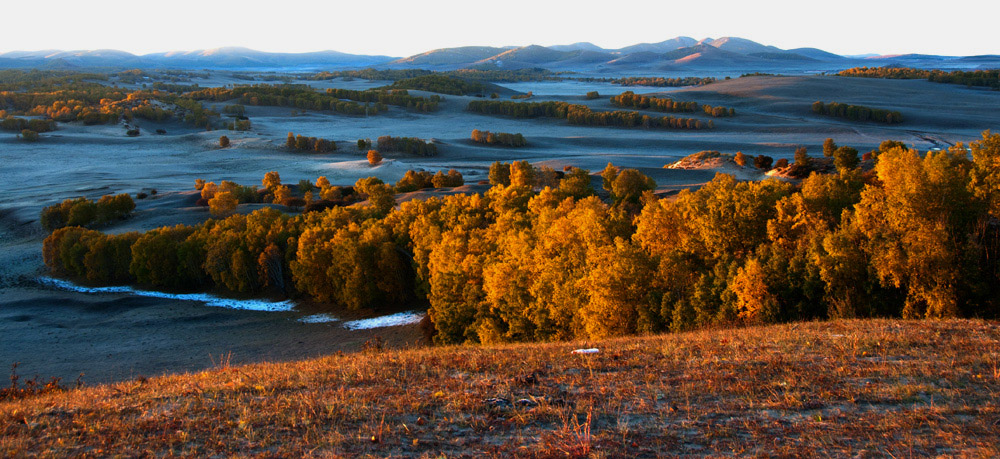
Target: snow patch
[[209, 300], [400, 318], [319, 319]]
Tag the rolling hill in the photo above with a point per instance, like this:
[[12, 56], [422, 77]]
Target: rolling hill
[[726, 54]]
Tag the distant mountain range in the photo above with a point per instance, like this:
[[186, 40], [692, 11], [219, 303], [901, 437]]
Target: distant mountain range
[[675, 54]]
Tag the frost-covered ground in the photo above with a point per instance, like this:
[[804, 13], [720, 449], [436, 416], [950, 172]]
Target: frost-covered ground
[[53, 331]]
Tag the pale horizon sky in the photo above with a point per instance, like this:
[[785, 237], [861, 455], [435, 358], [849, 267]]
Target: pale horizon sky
[[404, 28]]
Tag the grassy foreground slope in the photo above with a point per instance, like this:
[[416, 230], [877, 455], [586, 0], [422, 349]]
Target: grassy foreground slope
[[869, 388]]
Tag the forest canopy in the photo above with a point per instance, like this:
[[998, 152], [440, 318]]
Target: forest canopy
[[541, 257]]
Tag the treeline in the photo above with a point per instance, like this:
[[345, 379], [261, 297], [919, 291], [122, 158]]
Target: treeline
[[583, 115], [485, 75], [418, 180], [97, 104], [915, 238], [84, 212], [438, 83], [411, 145], [298, 96], [984, 78], [498, 138], [77, 97], [652, 81], [398, 97], [35, 80], [11, 123], [633, 100], [371, 74], [303, 143], [506, 76], [857, 112]]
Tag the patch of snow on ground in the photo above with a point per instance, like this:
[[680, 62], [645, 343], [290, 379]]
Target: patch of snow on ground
[[400, 318], [209, 300], [318, 319]]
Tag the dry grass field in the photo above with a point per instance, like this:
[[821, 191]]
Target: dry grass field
[[874, 388]]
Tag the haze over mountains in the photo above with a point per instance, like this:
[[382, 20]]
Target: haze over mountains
[[675, 54]]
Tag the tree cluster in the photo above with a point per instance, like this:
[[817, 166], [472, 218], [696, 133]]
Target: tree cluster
[[411, 145], [916, 238], [583, 115], [984, 78], [498, 138], [288, 95], [418, 180], [633, 100], [653, 81], [84, 212], [303, 143], [11, 123], [440, 84], [857, 112]]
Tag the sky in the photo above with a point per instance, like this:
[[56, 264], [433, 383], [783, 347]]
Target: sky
[[404, 28]]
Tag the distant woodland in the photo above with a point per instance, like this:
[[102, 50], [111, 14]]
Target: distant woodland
[[541, 256], [984, 78], [583, 115], [633, 100], [857, 112]]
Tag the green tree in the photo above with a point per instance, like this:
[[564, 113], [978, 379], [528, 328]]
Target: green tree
[[829, 147], [846, 158], [499, 174]]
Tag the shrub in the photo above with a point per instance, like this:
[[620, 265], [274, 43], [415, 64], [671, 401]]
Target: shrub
[[413, 181], [452, 179], [763, 162], [28, 135], [740, 159], [223, 142]]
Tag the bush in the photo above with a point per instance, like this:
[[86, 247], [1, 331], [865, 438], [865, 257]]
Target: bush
[[450, 180], [413, 181], [740, 159], [591, 95], [28, 135], [223, 142], [763, 162]]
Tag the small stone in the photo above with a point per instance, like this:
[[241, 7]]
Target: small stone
[[527, 403]]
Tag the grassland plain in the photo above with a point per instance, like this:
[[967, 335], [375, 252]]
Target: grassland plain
[[847, 388]]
